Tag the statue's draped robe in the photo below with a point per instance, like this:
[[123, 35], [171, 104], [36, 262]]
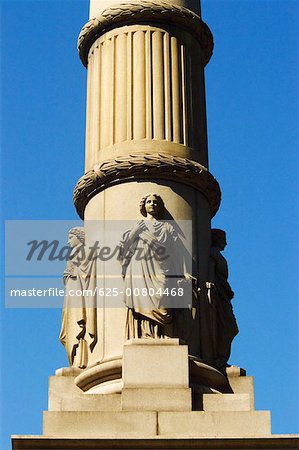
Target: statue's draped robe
[[79, 316], [150, 266], [221, 294]]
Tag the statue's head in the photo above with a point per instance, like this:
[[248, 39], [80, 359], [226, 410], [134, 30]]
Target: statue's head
[[218, 238], [76, 236], [153, 205]]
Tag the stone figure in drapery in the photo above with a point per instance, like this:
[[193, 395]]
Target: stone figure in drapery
[[149, 267], [220, 294], [79, 318]]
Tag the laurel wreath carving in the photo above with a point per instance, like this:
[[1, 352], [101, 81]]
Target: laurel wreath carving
[[141, 167], [134, 13]]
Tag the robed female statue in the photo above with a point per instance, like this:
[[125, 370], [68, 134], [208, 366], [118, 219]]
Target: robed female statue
[[152, 268], [79, 318]]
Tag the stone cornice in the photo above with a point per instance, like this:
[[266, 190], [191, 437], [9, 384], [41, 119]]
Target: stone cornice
[[143, 167], [136, 12]]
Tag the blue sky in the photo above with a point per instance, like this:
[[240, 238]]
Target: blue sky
[[252, 109]]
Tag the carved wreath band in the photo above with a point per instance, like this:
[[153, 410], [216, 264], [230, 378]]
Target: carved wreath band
[[144, 167], [140, 12]]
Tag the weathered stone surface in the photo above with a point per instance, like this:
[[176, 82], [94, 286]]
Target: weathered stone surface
[[216, 424], [153, 363], [243, 385], [64, 395], [226, 402], [99, 424], [153, 399]]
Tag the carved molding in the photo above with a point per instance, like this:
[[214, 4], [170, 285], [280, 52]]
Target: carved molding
[[142, 167], [133, 13]]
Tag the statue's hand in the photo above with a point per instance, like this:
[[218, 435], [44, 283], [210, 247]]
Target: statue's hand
[[189, 277], [137, 230]]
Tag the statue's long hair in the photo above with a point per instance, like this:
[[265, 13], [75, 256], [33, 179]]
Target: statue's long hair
[[161, 205]]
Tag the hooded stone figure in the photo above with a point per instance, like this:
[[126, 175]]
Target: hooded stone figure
[[79, 319], [225, 327]]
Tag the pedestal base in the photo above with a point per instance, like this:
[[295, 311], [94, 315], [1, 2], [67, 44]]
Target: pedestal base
[[156, 409]]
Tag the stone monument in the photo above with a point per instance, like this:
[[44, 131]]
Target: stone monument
[[148, 374]]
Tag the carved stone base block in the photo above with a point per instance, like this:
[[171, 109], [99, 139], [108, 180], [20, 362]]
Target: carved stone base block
[[100, 423], [152, 363], [150, 423], [152, 399], [216, 423], [226, 402]]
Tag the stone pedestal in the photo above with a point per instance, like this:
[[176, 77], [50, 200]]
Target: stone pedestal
[[155, 410], [156, 400], [155, 376]]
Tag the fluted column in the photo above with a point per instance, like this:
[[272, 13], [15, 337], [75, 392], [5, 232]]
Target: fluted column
[[146, 132], [146, 84]]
